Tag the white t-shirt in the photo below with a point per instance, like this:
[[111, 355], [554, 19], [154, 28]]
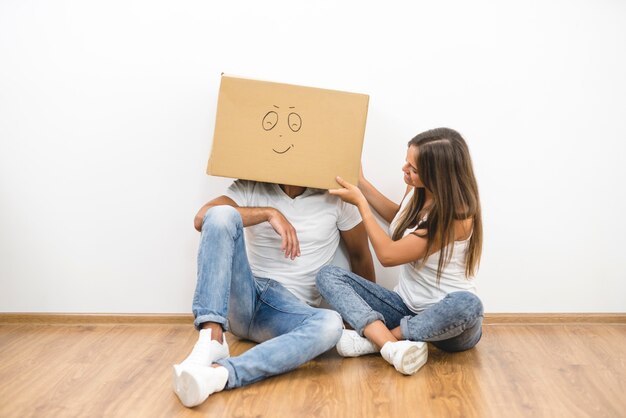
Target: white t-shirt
[[317, 217], [418, 287]]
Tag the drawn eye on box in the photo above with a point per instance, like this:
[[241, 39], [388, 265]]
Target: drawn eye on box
[[295, 121], [273, 119], [270, 120]]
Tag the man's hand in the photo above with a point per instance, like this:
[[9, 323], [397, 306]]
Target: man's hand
[[290, 244]]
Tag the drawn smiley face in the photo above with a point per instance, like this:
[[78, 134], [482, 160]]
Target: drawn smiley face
[[272, 119]]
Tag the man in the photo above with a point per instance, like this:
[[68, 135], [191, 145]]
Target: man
[[266, 294]]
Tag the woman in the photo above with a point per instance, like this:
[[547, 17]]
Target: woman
[[436, 236]]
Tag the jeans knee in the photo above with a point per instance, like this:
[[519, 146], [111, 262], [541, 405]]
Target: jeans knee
[[222, 217], [330, 327], [468, 303], [326, 276], [475, 304], [329, 273]]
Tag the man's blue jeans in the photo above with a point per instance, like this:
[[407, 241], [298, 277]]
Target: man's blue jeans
[[258, 309], [452, 324]]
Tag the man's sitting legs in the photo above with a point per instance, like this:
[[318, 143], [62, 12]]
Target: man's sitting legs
[[224, 276], [289, 331]]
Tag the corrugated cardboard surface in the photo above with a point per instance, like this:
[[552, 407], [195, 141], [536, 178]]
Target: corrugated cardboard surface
[[287, 134]]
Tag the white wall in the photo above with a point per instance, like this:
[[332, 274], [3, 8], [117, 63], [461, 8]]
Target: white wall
[[107, 111]]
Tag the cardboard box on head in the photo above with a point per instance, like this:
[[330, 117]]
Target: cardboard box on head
[[287, 134]]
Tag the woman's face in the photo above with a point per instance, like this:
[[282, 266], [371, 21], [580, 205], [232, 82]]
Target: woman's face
[[410, 169]]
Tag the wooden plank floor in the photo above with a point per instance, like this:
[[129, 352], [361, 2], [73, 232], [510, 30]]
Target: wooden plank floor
[[121, 370]]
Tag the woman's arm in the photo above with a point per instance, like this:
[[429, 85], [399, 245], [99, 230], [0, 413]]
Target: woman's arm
[[388, 252], [409, 248], [392, 253], [381, 204]]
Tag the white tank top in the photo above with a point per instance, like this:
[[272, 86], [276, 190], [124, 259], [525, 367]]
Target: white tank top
[[418, 288]]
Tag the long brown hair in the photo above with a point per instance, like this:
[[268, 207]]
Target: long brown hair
[[444, 166]]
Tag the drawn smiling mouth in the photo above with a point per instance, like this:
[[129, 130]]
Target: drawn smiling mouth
[[282, 152]]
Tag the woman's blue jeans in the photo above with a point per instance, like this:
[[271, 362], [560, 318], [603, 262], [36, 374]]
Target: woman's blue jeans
[[259, 309], [452, 324]]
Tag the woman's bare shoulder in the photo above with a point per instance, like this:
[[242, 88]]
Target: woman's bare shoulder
[[463, 229]]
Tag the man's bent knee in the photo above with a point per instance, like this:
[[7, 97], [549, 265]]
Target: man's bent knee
[[330, 327], [222, 216]]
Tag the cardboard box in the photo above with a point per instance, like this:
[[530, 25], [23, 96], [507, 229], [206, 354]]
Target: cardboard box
[[287, 134]]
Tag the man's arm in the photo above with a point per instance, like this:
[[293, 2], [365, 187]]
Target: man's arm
[[359, 253], [254, 216], [249, 216]]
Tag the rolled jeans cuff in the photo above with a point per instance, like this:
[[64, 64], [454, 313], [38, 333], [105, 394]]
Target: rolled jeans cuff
[[201, 319], [404, 328], [372, 316]]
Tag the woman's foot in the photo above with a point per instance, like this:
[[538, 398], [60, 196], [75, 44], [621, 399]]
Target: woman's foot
[[406, 356]]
